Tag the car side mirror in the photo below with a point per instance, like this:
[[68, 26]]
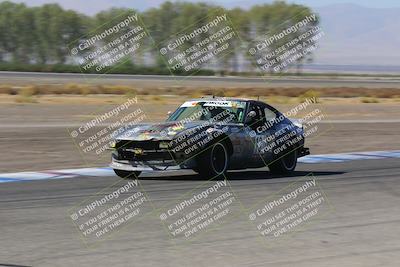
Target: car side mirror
[[169, 113], [250, 117]]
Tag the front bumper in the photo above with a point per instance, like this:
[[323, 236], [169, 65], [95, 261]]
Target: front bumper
[[147, 156], [139, 166], [157, 165]]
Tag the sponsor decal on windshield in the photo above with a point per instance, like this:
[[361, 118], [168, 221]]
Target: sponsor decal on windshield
[[189, 104], [230, 104]]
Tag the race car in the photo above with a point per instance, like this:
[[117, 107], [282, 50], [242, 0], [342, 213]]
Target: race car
[[211, 136]]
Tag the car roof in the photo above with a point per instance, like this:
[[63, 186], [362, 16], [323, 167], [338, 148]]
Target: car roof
[[211, 98]]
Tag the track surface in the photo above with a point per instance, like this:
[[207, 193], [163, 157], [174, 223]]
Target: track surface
[[362, 230], [193, 81]]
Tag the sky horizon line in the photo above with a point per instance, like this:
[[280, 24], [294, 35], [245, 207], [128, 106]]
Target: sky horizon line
[[87, 8]]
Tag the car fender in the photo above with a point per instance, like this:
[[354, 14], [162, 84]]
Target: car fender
[[218, 135]]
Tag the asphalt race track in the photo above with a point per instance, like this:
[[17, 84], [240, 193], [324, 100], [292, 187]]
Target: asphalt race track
[[193, 81], [362, 227]]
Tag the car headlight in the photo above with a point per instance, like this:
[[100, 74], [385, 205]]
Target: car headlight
[[163, 145], [113, 144]]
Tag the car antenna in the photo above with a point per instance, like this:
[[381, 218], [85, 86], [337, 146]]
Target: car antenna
[[258, 98]]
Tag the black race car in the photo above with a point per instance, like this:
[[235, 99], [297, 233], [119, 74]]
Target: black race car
[[211, 136]]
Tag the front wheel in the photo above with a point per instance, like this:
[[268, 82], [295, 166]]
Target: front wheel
[[127, 174], [213, 161], [284, 164]]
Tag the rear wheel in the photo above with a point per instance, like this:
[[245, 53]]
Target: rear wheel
[[127, 174], [213, 161], [284, 164]]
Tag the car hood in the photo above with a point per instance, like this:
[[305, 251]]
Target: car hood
[[156, 131]]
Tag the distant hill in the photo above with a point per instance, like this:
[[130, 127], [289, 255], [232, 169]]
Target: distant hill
[[358, 35], [354, 35]]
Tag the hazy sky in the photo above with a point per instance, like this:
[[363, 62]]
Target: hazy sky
[[354, 36], [93, 6], [366, 3]]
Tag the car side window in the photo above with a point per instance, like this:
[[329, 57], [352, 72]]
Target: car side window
[[269, 114], [259, 118]]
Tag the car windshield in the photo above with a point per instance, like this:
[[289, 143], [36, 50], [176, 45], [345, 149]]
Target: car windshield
[[218, 110]]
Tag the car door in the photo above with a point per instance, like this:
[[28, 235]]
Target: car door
[[279, 135], [266, 132], [258, 133]]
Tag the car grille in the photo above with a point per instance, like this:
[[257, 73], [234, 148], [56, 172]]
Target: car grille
[[149, 151], [146, 145]]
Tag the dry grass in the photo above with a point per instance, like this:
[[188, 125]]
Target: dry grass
[[279, 99], [369, 100], [278, 94], [175, 100], [310, 94], [157, 98], [8, 89], [25, 95]]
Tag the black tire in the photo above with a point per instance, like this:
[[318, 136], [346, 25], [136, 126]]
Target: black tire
[[285, 164], [127, 174], [213, 161]]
